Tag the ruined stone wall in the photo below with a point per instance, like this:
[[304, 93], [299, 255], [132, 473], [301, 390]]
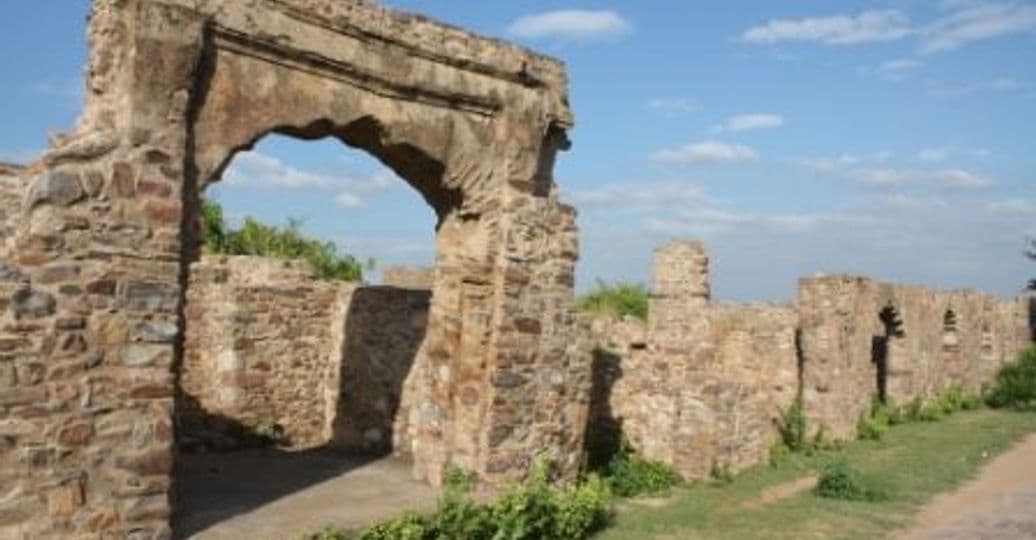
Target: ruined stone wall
[[408, 277], [257, 350], [382, 329], [12, 191], [325, 362], [941, 339], [699, 385]]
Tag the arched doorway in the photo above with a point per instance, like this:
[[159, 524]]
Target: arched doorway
[[175, 89], [882, 347]]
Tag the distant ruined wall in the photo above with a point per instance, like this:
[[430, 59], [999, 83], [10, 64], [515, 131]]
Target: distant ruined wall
[[268, 343], [701, 385], [408, 277], [861, 338]]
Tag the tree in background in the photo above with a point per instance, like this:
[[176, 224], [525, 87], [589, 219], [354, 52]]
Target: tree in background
[[259, 239]]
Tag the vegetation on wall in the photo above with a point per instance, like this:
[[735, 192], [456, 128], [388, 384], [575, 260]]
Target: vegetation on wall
[[259, 239], [616, 300], [1015, 385]]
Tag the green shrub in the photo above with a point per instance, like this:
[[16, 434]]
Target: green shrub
[[791, 425], [721, 473], [259, 239], [871, 428], [840, 481], [616, 300], [533, 510], [630, 475], [1015, 386]]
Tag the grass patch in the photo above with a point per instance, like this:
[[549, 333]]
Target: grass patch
[[838, 480], [616, 300], [910, 465]]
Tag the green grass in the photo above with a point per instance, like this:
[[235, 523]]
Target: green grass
[[910, 464]]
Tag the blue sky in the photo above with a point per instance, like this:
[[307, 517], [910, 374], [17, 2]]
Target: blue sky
[[890, 138]]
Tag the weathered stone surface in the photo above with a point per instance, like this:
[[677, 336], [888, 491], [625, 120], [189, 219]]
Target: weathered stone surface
[[32, 304], [59, 187], [700, 385]]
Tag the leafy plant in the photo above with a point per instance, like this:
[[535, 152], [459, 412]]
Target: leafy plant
[[1015, 386], [840, 481], [871, 428], [533, 510], [259, 239], [791, 424], [616, 300], [630, 475]]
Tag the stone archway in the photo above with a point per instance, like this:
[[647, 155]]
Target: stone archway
[[94, 268]]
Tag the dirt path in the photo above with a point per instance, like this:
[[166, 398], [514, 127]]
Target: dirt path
[[778, 493], [1000, 504]]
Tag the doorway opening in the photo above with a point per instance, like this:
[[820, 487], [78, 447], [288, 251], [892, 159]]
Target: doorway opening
[[881, 344], [297, 371]]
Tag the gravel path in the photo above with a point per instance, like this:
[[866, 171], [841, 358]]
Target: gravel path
[[1000, 504]]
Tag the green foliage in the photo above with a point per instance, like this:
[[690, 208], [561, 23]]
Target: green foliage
[[871, 428], [533, 510], [840, 481], [791, 424], [616, 300], [1015, 386], [259, 239], [630, 475], [721, 473]]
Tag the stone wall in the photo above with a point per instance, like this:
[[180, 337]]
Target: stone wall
[[269, 344], [862, 338], [12, 191], [408, 277], [701, 385]]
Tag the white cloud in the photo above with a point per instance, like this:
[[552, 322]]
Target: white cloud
[[868, 26], [704, 151], [748, 122], [1011, 206], [999, 84], [572, 24], [674, 107], [641, 195], [933, 155], [975, 23], [873, 170], [256, 169], [963, 22], [897, 177], [899, 68]]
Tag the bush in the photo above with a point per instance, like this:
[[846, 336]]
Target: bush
[[630, 475], [840, 481], [791, 424], [1015, 386], [871, 428], [259, 239], [616, 300], [532, 510]]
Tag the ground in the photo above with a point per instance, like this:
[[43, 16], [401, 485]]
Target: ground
[[998, 505], [269, 495], [914, 464]]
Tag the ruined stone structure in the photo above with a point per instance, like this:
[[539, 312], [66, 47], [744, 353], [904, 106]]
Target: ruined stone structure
[[700, 385], [408, 277], [862, 338], [94, 270], [268, 345]]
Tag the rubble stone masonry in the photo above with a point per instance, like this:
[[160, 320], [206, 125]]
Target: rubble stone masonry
[[700, 386]]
